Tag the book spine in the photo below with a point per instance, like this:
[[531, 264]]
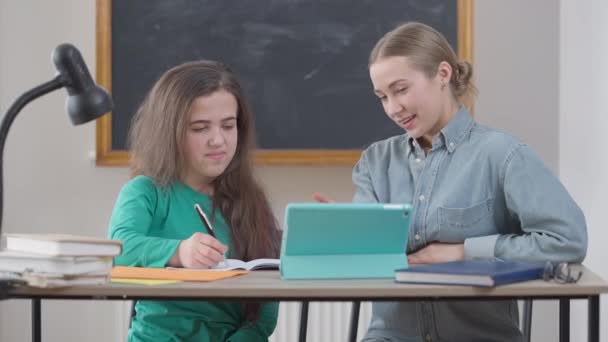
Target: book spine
[[517, 277]]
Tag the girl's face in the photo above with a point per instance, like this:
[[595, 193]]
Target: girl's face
[[418, 104], [211, 138]]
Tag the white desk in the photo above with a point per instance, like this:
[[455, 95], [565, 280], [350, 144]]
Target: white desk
[[267, 285]]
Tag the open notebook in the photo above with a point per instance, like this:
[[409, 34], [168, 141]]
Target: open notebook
[[256, 264]]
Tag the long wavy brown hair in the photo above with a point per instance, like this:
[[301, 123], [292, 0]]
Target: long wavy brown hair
[[157, 144]]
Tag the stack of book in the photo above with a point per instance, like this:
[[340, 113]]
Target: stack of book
[[55, 260]]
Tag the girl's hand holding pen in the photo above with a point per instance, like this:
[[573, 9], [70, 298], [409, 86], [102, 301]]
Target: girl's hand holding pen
[[199, 251]]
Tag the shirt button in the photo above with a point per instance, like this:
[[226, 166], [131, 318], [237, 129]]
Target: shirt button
[[417, 237], [451, 144], [418, 160], [421, 198], [428, 337]]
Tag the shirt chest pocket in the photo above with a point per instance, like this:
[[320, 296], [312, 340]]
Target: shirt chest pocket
[[475, 219]]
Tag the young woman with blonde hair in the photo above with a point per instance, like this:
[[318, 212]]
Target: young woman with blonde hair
[[477, 193]]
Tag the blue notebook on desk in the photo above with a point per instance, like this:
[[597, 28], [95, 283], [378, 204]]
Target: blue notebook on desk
[[344, 240], [486, 273]]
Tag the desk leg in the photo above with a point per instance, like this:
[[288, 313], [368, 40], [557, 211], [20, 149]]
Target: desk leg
[[564, 320], [594, 318], [526, 327], [303, 322], [354, 321], [36, 335]]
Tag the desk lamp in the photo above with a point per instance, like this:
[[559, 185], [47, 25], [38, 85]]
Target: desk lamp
[[86, 100]]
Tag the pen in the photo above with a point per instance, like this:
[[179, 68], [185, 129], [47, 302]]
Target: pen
[[205, 220], [208, 226]]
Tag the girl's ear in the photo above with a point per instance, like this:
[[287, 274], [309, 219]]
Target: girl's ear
[[444, 72]]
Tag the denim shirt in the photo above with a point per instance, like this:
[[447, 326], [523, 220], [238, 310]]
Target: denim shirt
[[479, 187]]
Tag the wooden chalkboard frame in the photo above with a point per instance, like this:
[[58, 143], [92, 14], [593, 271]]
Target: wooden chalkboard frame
[[106, 156]]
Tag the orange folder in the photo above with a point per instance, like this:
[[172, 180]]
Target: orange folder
[[172, 274]]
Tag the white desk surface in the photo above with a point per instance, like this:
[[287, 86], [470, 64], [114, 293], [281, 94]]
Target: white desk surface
[[268, 285]]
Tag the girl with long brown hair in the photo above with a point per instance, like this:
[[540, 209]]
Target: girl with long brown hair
[[191, 143]]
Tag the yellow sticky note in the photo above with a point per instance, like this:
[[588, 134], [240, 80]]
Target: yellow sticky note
[[150, 282], [172, 274]]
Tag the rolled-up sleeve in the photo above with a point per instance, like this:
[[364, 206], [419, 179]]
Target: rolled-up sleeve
[[553, 226]]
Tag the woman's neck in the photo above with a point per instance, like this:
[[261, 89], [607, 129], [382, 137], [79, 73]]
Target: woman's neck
[[199, 184]]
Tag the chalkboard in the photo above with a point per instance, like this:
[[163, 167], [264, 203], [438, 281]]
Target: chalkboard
[[302, 63]]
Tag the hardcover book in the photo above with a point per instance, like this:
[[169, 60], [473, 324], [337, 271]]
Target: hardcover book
[[486, 273]]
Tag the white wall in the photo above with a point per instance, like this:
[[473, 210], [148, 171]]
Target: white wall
[[583, 160], [48, 168], [516, 46]]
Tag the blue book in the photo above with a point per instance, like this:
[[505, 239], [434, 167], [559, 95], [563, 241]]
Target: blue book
[[485, 273]]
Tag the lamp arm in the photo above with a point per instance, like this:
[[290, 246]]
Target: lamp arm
[[12, 112]]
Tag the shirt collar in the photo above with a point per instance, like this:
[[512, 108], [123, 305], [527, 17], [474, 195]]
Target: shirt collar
[[457, 129], [452, 134]]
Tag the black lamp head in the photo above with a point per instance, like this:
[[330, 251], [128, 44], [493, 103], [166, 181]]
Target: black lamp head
[[86, 101]]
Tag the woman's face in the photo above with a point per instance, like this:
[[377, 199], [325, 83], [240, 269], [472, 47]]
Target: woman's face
[[211, 137], [415, 102]]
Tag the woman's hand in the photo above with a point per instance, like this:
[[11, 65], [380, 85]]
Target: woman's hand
[[437, 252], [319, 197], [198, 251]]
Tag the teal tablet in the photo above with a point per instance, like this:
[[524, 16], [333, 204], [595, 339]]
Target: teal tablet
[[344, 240]]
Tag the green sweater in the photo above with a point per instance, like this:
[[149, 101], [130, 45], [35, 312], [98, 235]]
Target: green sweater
[[151, 223]]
